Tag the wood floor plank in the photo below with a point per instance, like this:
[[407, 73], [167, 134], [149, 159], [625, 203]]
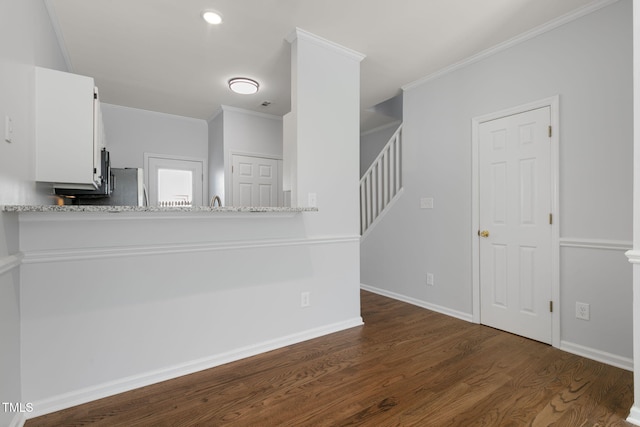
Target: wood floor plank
[[406, 366]]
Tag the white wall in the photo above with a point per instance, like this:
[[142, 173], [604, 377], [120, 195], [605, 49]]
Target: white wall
[[131, 132], [588, 62], [155, 296], [10, 378], [634, 255], [26, 39], [248, 133], [252, 133], [325, 102]]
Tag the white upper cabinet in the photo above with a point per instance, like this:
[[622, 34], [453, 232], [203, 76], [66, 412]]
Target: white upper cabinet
[[68, 130]]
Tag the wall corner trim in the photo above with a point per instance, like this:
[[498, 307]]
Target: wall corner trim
[[10, 262], [598, 355], [84, 254], [634, 415], [18, 421], [299, 33], [634, 256], [614, 245], [414, 301]]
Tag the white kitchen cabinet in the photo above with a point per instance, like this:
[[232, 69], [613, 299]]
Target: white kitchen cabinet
[[69, 133]]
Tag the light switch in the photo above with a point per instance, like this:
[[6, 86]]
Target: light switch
[[8, 129], [426, 203]]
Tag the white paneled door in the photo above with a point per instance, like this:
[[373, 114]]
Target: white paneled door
[[255, 181], [515, 199]]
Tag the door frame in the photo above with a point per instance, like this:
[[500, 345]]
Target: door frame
[[172, 157], [554, 104]]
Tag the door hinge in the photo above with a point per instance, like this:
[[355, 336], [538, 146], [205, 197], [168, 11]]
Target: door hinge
[[550, 131], [550, 219], [550, 306]]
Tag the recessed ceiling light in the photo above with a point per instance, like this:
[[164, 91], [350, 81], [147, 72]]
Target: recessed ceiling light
[[243, 85], [212, 17]]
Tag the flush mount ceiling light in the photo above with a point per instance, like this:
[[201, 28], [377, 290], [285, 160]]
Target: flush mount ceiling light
[[243, 85], [212, 17]]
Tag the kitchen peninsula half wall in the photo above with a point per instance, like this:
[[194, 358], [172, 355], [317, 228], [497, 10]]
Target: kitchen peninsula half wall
[[112, 302]]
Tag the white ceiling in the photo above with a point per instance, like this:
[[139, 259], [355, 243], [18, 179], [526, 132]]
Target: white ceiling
[[160, 55]]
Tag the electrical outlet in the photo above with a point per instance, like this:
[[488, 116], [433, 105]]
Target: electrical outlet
[[305, 299], [582, 311], [429, 279]]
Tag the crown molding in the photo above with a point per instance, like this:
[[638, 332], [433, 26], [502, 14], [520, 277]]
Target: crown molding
[[301, 34], [551, 25]]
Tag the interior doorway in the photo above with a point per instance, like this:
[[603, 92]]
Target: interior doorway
[[515, 251], [174, 181]]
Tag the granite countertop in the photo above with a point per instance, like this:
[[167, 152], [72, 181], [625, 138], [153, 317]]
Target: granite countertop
[[118, 209]]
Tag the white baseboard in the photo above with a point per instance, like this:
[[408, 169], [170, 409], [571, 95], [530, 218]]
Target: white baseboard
[[78, 397], [18, 421], [634, 416], [413, 301], [598, 355]]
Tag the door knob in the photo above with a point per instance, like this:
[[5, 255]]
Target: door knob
[[483, 233]]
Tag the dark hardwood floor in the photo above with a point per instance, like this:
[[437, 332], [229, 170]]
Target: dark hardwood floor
[[406, 366]]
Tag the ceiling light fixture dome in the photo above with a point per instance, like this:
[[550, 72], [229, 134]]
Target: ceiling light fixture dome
[[212, 17], [243, 85]]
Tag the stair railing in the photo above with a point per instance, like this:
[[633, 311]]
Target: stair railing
[[382, 182]]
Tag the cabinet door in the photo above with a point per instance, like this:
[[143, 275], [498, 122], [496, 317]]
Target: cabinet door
[[98, 139], [64, 125]]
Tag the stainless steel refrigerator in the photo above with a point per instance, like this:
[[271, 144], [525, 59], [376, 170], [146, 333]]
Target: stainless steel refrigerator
[[128, 187]]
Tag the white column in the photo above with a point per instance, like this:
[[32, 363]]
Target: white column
[[325, 101], [634, 254]]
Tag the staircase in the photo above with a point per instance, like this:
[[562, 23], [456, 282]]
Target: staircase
[[381, 184]]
